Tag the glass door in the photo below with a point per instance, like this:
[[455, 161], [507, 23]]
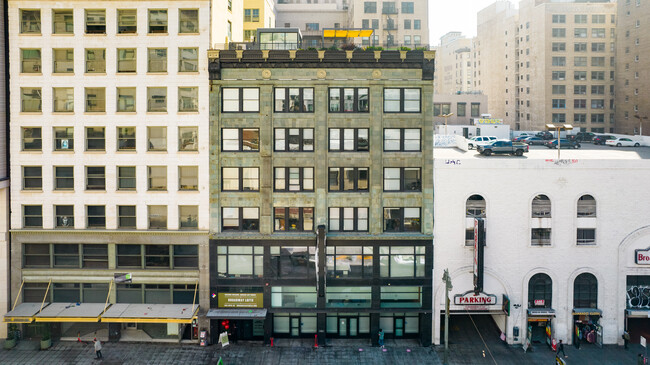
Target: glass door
[[354, 326], [343, 327], [399, 327], [295, 326]]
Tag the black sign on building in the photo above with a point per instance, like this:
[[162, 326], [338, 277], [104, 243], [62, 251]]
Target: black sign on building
[[479, 247]]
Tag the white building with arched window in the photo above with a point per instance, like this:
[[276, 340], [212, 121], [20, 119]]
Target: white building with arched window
[[567, 246]]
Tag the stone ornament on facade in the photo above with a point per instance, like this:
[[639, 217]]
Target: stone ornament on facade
[[376, 74], [321, 74], [266, 74]]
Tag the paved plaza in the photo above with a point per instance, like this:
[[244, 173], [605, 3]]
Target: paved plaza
[[295, 352]]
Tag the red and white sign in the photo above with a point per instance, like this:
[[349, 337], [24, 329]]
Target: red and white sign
[[538, 302], [470, 298], [642, 257]]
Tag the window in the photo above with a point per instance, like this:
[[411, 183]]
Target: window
[[188, 217], [598, 32], [66, 255], [348, 219], [126, 215], [580, 61], [407, 7], [96, 21], [63, 178], [400, 297], [540, 237], [597, 104], [293, 179], [126, 138], [597, 118], [240, 261], [559, 103], [240, 219], [62, 21], [229, 30], [441, 108], [129, 255], [31, 139], [580, 47], [598, 75], [580, 75], [294, 140], [293, 219], [95, 139], [558, 75], [293, 297], [598, 61], [348, 297], [580, 18], [580, 103], [30, 99], [401, 261], [157, 99], [30, 61], [95, 61], [157, 215], [598, 47], [126, 99], [294, 100], [32, 216], [401, 100], [312, 26], [95, 178], [598, 89], [95, 99], [158, 21], [585, 291], [348, 179], [388, 7], [461, 109], [188, 60], [186, 256], [293, 262], [63, 138], [126, 60], [30, 21], [349, 261], [558, 32], [348, 139], [348, 100], [240, 139], [242, 100], [127, 21], [63, 99], [580, 32], [157, 61], [559, 18], [370, 7], [32, 178], [580, 89], [587, 206], [541, 207], [401, 219], [126, 178], [401, 139], [157, 178], [251, 15], [416, 25], [540, 291], [96, 216], [558, 46], [402, 179], [240, 179], [188, 99], [475, 207], [157, 138], [407, 24], [188, 21], [580, 118], [586, 236], [476, 109], [188, 139], [36, 255]]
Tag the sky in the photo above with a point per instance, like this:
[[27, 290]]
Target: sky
[[454, 16]]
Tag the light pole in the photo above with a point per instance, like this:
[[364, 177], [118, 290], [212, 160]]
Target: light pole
[[446, 116], [641, 119], [447, 279], [558, 128]]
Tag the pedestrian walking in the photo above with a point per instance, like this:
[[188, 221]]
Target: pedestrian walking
[[98, 349], [381, 338], [560, 347], [626, 338]]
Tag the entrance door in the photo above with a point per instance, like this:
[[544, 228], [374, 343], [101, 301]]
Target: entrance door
[[399, 327], [466, 132], [295, 326], [354, 326], [343, 326]]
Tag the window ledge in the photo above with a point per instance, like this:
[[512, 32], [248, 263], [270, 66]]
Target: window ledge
[[157, 113], [126, 34], [95, 191], [95, 74], [63, 151], [96, 151], [62, 73], [63, 34], [30, 74], [182, 34], [95, 113], [189, 72], [31, 113], [157, 151], [35, 152], [126, 113], [187, 112], [63, 113], [156, 72], [31, 34], [130, 73], [189, 151], [95, 34], [55, 190], [126, 151], [32, 190], [157, 34]]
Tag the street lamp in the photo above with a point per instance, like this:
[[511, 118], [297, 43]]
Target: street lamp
[[641, 119], [447, 279], [558, 128], [446, 116]]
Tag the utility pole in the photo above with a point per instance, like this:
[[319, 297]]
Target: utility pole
[[448, 287]]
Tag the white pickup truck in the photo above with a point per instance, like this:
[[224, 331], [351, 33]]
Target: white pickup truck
[[480, 140]]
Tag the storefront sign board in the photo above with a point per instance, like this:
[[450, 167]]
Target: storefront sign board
[[470, 298], [642, 257], [241, 300]]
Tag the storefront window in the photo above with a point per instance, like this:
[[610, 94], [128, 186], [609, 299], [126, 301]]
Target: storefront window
[[293, 262], [399, 324], [540, 291], [585, 291], [240, 261], [348, 297], [293, 297], [401, 296], [638, 287], [401, 261], [349, 261]]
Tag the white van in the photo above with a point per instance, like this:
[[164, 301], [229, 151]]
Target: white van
[[480, 140]]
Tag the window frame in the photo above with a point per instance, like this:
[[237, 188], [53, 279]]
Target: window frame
[[94, 138], [158, 29], [356, 219], [401, 225], [287, 179], [127, 29], [69, 179], [95, 176], [341, 179], [240, 100], [35, 63], [301, 219], [184, 18], [402, 179], [302, 108], [37, 21], [240, 139], [301, 140], [32, 178], [122, 216], [240, 178], [98, 217], [99, 30], [402, 100], [240, 218], [402, 139], [121, 178], [158, 168], [355, 100], [355, 141]]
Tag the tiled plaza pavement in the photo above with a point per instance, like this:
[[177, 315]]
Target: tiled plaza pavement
[[300, 352]]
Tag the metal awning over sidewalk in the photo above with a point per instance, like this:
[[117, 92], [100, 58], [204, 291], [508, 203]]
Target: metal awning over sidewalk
[[150, 313], [237, 313], [71, 312], [541, 312], [23, 313], [587, 312]]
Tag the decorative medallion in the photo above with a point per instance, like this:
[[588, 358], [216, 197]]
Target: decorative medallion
[[266, 74], [321, 74], [376, 74]]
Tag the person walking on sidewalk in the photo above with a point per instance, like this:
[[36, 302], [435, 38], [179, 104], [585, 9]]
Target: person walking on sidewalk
[[626, 338], [381, 338], [98, 349], [560, 347]]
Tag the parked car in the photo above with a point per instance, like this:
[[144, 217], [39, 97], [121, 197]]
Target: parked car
[[532, 140], [545, 135], [478, 140], [564, 143], [602, 139], [503, 146], [585, 136], [622, 142], [522, 136]]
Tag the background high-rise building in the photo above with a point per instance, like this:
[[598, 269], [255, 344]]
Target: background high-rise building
[[257, 14], [454, 63]]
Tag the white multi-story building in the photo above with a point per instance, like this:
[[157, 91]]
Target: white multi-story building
[[109, 151], [566, 249], [4, 183]]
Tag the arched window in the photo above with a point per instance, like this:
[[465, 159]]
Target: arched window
[[586, 206], [541, 206], [540, 291], [475, 207], [585, 291]]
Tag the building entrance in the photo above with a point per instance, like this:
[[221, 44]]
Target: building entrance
[[471, 329]]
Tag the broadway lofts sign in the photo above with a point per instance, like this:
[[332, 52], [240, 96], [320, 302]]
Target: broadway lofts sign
[[642, 257]]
